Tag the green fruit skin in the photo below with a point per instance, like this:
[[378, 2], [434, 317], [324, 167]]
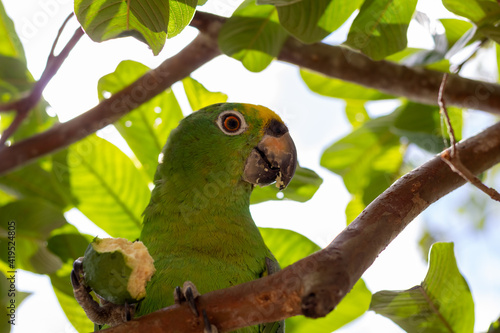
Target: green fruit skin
[[108, 275]]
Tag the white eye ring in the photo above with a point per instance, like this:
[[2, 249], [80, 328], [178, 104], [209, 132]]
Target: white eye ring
[[232, 122]]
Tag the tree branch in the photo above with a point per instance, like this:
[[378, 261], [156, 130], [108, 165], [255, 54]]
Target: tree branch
[[200, 51], [417, 84], [24, 105], [314, 285]]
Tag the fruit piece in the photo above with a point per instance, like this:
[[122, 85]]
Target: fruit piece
[[118, 270]]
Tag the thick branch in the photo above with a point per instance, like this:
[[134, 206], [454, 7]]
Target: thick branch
[[199, 52], [415, 83], [315, 285]]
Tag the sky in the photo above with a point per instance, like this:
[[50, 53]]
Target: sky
[[314, 121]]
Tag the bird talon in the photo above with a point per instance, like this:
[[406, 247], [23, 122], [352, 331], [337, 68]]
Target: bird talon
[[178, 296], [188, 294], [190, 298], [209, 328]]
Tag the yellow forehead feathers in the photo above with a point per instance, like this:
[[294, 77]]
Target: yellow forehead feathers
[[266, 114]]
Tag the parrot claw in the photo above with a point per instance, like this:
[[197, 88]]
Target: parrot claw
[[209, 328], [105, 313], [188, 293]]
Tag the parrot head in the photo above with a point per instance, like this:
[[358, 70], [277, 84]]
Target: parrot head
[[240, 142]]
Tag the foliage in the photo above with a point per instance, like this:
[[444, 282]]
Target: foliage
[[112, 188], [441, 303]]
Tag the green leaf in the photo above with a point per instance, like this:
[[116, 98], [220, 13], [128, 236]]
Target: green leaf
[[10, 299], [336, 88], [6, 198], [170, 16], [61, 282], [14, 80], [28, 223], [181, 13], [312, 20], [198, 96], [10, 44], [253, 35], [494, 327], [289, 247], [475, 10], [441, 303], [354, 208], [145, 129], [34, 218], [421, 124], [304, 184], [368, 159], [454, 29], [355, 112], [277, 2], [152, 13], [466, 39], [109, 188], [352, 306], [32, 181], [69, 247], [425, 243], [497, 50], [401, 56], [108, 19], [380, 27]]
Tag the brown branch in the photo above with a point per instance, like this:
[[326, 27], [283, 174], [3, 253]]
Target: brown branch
[[314, 285], [24, 105], [453, 158], [417, 84], [200, 51]]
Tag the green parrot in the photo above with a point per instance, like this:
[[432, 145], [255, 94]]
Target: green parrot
[[198, 225]]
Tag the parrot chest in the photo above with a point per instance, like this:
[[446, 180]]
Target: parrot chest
[[212, 258]]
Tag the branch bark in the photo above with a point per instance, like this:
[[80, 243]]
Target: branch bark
[[315, 285], [200, 51], [417, 84]]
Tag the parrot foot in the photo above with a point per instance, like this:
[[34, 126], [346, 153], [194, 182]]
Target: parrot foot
[[188, 294], [106, 313]]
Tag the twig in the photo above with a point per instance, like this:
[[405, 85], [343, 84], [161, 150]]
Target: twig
[[59, 32], [445, 115], [456, 165], [315, 285], [196, 54], [453, 159], [24, 105]]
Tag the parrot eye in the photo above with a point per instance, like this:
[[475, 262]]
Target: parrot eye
[[231, 122]]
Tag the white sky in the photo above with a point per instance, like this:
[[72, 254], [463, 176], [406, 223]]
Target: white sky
[[314, 121]]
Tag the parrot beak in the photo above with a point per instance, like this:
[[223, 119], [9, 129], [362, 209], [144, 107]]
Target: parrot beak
[[274, 158]]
